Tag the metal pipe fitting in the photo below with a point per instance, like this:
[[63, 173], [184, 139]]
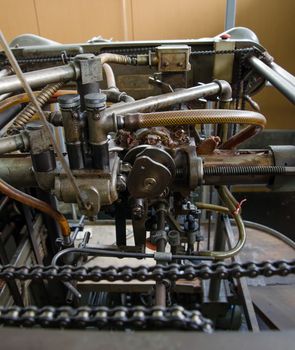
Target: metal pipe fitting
[[14, 143], [40, 78], [71, 119], [22, 173], [95, 103], [110, 77]]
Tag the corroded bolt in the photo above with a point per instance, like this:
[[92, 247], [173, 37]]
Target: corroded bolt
[[137, 212]]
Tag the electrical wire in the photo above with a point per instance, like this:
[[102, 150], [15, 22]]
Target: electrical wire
[[269, 230]]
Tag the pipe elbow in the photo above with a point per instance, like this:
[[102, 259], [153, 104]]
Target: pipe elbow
[[225, 93]]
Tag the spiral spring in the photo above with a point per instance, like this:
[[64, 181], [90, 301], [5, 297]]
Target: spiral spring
[[244, 170], [27, 113]]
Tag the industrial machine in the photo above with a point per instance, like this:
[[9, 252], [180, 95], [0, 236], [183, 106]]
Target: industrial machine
[[119, 170]]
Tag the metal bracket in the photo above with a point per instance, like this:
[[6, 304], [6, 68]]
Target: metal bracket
[[91, 68]]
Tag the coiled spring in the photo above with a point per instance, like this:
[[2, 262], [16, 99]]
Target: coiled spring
[[27, 113], [244, 170]]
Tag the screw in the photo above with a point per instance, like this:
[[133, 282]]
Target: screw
[[149, 182], [137, 212]]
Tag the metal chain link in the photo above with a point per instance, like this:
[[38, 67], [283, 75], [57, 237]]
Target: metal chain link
[[137, 317], [224, 52], [123, 51], [158, 272]]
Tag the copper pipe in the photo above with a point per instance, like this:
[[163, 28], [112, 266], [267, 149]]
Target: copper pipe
[[26, 199], [232, 205], [213, 207], [241, 136], [189, 117]]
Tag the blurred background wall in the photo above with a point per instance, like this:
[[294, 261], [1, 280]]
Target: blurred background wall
[[69, 21]]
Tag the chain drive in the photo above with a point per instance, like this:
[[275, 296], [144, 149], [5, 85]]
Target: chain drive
[[137, 317], [158, 272], [123, 51]]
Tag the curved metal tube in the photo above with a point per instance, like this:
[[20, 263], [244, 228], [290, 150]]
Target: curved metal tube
[[223, 192], [26, 199], [241, 136], [270, 231], [212, 207], [110, 77]]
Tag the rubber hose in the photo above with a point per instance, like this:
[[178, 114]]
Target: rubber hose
[[198, 116]]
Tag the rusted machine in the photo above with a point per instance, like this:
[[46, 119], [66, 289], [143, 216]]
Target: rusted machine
[[146, 138]]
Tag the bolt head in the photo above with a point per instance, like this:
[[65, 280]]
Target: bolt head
[[149, 182]]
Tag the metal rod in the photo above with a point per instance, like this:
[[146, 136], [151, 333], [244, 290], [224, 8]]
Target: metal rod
[[230, 16], [277, 80], [22, 171], [12, 285], [78, 229], [285, 74], [3, 202], [72, 289], [163, 101], [29, 91], [160, 293], [32, 234], [219, 245], [13, 143], [39, 78]]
